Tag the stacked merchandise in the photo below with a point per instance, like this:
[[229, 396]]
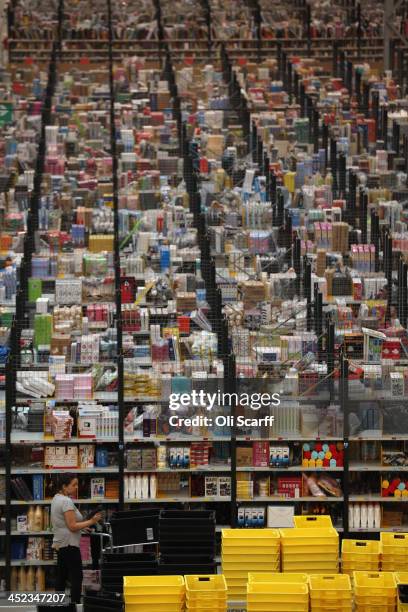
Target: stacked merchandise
[[67, 379], [245, 551], [314, 548], [187, 542], [394, 552], [375, 591], [204, 593], [154, 593], [361, 555], [169, 342], [328, 592], [278, 592]]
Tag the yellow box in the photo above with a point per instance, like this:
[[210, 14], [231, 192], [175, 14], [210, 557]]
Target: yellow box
[[401, 577], [312, 521], [361, 550], [100, 242], [282, 578], [205, 586], [279, 607], [309, 536], [374, 584], [151, 585]]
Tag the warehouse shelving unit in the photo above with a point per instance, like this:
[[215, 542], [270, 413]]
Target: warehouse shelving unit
[[171, 52]]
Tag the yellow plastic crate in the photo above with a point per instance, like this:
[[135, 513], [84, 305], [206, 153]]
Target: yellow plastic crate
[[330, 587], [349, 570], [375, 601], [331, 608], [153, 608], [312, 521], [402, 607], [254, 567], [394, 543], [248, 559], [401, 577], [312, 565], [383, 607], [361, 565], [281, 578], [251, 552], [394, 567], [148, 585], [271, 607], [375, 583], [360, 550], [309, 536], [157, 598], [284, 592], [205, 586], [279, 607], [250, 537], [209, 606], [313, 554]]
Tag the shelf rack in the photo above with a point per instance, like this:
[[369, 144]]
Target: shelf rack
[[171, 51]]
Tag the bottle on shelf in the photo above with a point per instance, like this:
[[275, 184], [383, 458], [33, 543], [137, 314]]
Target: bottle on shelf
[[22, 581], [153, 486], [14, 579], [31, 518], [132, 486], [40, 579], [38, 519], [30, 579]]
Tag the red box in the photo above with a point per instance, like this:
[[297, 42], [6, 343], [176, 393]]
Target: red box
[[260, 454]]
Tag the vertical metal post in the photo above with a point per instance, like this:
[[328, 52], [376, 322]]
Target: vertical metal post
[[344, 404], [307, 283]]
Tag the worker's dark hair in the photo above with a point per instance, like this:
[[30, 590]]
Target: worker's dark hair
[[65, 479]]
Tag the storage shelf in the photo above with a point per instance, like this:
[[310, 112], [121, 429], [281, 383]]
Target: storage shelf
[[97, 470], [176, 500], [376, 467], [289, 439], [31, 437], [291, 499], [35, 502], [210, 468], [379, 438], [129, 439], [24, 562], [292, 468], [403, 529], [378, 498], [32, 533], [100, 397]]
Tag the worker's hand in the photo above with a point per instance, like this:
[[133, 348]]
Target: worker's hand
[[96, 518]]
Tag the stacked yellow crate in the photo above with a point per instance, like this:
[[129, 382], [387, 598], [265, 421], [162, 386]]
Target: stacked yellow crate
[[154, 593], [330, 593], [375, 592], [206, 593], [312, 520], [360, 555], [277, 592], [401, 579], [248, 550], [311, 550], [394, 552]]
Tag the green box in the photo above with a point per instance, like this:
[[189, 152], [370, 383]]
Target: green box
[[34, 289]]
